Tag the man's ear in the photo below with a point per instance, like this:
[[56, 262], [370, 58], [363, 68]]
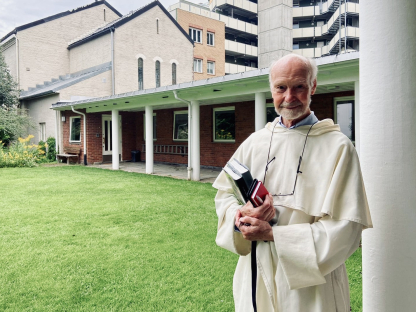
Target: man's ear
[[313, 87]]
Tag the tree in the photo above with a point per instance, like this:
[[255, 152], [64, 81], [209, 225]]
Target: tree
[[9, 90], [14, 121]]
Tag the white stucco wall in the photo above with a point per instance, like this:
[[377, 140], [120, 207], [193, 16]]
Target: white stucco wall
[[96, 86], [91, 53], [39, 110], [139, 37], [43, 53]]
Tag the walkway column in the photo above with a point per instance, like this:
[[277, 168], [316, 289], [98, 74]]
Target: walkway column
[[260, 115], [149, 139], [115, 125], [388, 149], [195, 146]]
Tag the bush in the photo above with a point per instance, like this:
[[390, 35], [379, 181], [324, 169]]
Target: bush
[[21, 154], [51, 152]]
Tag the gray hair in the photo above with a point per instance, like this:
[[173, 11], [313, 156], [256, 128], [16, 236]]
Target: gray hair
[[309, 63]]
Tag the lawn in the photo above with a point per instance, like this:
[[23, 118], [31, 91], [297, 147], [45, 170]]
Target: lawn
[[77, 238]]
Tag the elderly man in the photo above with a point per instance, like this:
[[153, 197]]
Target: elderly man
[[312, 173]]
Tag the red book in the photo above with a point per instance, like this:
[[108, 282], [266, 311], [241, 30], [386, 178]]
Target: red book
[[259, 194]]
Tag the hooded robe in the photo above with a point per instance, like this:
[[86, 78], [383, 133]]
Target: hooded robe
[[318, 227]]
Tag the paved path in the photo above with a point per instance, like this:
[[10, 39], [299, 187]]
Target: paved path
[[167, 170]]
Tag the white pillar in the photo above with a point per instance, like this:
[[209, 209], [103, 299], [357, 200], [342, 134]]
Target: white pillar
[[115, 139], [387, 152], [149, 139], [195, 144], [260, 115], [357, 115]]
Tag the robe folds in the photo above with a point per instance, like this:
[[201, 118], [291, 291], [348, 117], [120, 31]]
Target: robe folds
[[318, 227]]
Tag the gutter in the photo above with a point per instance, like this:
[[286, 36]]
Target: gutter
[[189, 133], [85, 133]]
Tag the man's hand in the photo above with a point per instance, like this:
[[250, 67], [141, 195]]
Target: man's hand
[[265, 212], [255, 230]]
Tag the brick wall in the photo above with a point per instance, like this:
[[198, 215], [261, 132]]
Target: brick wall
[[212, 153]]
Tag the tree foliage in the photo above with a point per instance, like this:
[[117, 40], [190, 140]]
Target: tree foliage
[[14, 121]]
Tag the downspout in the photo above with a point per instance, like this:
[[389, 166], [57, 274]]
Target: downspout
[[189, 133], [84, 135], [17, 64], [112, 62]]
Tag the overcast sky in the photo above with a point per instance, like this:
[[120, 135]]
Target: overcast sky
[[15, 13]]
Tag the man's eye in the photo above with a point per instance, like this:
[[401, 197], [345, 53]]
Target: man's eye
[[300, 87], [280, 88]]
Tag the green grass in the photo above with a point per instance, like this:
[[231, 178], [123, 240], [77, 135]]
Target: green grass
[[75, 238]]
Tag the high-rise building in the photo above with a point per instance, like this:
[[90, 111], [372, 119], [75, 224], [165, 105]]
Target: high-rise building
[[259, 31]]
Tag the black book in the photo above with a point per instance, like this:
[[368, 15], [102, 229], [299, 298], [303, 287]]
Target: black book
[[240, 178]]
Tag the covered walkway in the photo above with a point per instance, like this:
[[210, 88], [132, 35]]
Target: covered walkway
[[166, 170]]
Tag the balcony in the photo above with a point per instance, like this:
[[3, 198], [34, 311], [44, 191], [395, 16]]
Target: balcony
[[241, 4], [329, 28], [327, 7], [237, 48], [333, 46], [234, 68], [229, 21]]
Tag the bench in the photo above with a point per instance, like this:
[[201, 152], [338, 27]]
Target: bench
[[70, 152], [168, 149]]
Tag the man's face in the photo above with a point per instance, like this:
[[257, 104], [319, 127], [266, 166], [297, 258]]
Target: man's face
[[291, 90]]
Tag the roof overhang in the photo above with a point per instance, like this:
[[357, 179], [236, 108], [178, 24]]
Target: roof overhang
[[335, 74]]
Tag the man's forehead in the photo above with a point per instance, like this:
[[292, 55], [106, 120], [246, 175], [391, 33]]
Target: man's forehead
[[291, 70]]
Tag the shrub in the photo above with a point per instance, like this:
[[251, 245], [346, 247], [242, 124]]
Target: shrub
[[21, 154], [51, 152]]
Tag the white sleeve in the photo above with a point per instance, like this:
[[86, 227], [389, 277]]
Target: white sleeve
[[226, 206], [307, 252]]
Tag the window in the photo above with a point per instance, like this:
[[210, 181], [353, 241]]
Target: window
[[140, 66], [295, 3], [224, 124], [210, 38], [271, 113], [295, 25], [42, 131], [211, 68], [154, 127], [344, 114], [157, 69], [75, 129], [157, 26], [197, 65], [180, 125], [173, 73], [195, 34], [295, 46]]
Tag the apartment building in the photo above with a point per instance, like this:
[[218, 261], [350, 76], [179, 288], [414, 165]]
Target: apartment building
[[259, 31]]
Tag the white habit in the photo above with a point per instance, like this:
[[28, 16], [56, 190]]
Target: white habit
[[318, 227]]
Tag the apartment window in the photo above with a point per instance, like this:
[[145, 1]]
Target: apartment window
[[224, 124], [157, 73], [295, 3], [173, 73], [211, 68], [75, 129], [210, 38], [271, 112], [197, 65], [295, 25], [180, 125], [195, 34], [42, 131], [344, 113], [140, 74], [154, 127], [295, 46]]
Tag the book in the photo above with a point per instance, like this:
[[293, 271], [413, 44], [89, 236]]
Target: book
[[241, 180], [258, 194]]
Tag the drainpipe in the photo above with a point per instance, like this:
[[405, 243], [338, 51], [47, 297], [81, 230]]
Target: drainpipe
[[17, 64], [84, 135], [189, 133], [112, 62]]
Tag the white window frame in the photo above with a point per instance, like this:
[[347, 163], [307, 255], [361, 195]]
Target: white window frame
[[154, 127], [341, 99], [70, 129], [42, 131], [200, 64], [210, 38], [194, 34], [213, 67], [218, 109], [182, 112]]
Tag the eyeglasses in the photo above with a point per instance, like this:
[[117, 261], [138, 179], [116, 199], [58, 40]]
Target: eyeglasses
[[300, 161]]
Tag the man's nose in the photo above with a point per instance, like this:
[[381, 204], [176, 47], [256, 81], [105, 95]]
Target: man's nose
[[290, 95]]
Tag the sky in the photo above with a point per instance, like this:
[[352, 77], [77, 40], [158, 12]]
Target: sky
[[14, 13]]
